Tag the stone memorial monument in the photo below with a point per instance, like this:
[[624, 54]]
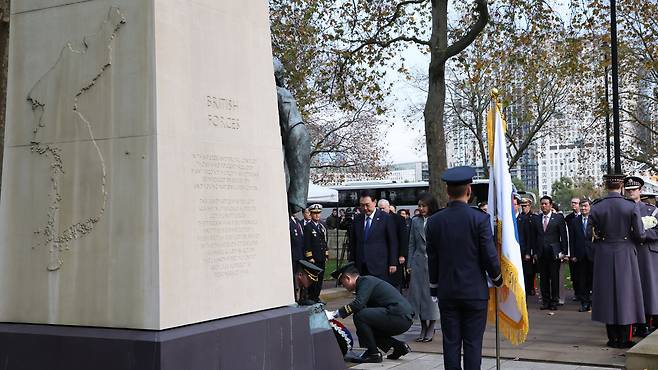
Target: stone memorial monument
[[143, 214]]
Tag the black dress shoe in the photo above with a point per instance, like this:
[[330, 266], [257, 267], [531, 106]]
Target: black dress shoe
[[367, 358], [545, 307], [626, 344], [399, 352], [612, 343], [553, 308], [583, 308], [427, 339]]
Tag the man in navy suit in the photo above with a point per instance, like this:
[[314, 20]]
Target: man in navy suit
[[580, 239], [550, 249], [373, 240], [461, 252]]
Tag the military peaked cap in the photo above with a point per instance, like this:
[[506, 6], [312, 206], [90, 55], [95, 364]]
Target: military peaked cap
[[348, 267], [458, 175], [633, 182], [310, 269]]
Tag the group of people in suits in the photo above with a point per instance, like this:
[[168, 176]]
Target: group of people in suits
[[451, 253], [611, 246], [548, 239]]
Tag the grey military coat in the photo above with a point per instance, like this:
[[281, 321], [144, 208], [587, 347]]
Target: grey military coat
[[617, 291], [419, 283], [647, 260]]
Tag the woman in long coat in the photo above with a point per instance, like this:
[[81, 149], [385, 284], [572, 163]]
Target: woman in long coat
[[425, 306]]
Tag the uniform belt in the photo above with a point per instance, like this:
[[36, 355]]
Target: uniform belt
[[607, 239]]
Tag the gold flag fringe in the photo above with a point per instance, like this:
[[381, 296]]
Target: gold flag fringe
[[515, 332]]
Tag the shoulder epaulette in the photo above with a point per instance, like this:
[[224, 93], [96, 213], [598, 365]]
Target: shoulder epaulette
[[597, 200]]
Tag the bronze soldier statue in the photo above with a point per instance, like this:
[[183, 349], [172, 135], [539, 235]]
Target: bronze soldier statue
[[296, 144]]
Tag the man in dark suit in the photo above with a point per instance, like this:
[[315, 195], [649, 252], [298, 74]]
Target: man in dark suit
[[550, 249], [315, 248], [373, 240], [582, 255], [568, 219], [461, 251], [526, 241], [403, 240]]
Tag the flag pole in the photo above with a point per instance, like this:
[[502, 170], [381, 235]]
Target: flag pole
[[494, 98]]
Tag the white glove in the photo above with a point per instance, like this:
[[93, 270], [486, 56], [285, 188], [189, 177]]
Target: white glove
[[434, 299], [649, 222], [331, 314]]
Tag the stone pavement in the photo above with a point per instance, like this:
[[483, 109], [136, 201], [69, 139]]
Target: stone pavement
[[565, 336], [422, 361]]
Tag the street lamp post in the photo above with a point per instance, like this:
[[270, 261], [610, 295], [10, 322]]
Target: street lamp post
[[615, 84], [607, 118]]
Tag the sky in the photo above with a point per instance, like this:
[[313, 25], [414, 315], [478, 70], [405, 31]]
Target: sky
[[402, 140]]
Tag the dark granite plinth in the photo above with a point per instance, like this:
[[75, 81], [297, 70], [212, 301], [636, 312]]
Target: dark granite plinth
[[274, 339]]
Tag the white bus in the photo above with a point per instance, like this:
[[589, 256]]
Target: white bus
[[401, 195]]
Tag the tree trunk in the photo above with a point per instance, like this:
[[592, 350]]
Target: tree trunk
[[435, 134], [434, 107], [483, 154], [4, 58]]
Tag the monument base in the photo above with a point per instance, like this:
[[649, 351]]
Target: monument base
[[274, 339]]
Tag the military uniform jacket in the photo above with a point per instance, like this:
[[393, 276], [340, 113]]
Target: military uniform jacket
[[554, 239], [647, 260], [526, 234], [461, 251], [580, 238], [374, 292], [315, 242], [296, 239], [617, 291]]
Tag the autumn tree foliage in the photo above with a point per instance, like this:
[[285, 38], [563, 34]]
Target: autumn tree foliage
[[530, 54], [358, 42], [638, 73]]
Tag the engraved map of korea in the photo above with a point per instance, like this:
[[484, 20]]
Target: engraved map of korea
[[57, 105]]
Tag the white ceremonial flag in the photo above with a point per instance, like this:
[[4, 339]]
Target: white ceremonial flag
[[512, 309]]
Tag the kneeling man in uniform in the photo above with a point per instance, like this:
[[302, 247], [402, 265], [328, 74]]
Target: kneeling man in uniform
[[380, 312], [306, 275]]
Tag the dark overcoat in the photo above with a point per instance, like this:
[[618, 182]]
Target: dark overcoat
[[647, 260], [419, 283], [617, 290]]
